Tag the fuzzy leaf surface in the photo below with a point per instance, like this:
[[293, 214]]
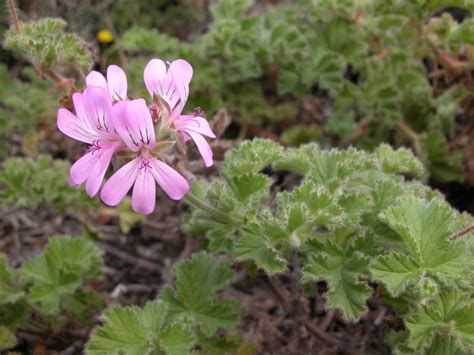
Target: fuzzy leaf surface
[[194, 299]]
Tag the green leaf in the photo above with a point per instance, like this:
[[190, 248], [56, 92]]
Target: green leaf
[[253, 245], [425, 228], [342, 271], [41, 182], [444, 326], [443, 165], [10, 292], [45, 44], [176, 339], [250, 157], [400, 161], [248, 185], [197, 281], [127, 330], [65, 265], [397, 271]]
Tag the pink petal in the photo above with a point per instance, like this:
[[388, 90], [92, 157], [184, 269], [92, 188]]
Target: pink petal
[[159, 81], [80, 170], [140, 124], [117, 83], [97, 173], [91, 168], [196, 124], [154, 75], [203, 147], [94, 78], [78, 102], [181, 72], [172, 183], [185, 136], [119, 120], [119, 184], [144, 191], [73, 127], [97, 107]]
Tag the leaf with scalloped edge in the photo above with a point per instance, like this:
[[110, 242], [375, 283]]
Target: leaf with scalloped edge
[[64, 266], [425, 228], [194, 299], [250, 157], [135, 331], [444, 326], [342, 270], [253, 245]]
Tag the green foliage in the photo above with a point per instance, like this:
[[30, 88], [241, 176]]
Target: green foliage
[[194, 299], [133, 330], [369, 57], [24, 105], [184, 316], [342, 270], [50, 287], [444, 326], [426, 253], [354, 218], [46, 45], [64, 266], [31, 183]]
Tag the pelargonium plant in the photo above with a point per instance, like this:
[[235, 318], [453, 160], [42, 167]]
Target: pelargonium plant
[[134, 134]]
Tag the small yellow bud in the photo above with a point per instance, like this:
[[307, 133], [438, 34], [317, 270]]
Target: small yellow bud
[[105, 36]]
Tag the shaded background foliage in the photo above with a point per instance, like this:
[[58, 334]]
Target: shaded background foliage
[[339, 73]]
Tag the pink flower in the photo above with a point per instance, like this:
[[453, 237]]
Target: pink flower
[[134, 124], [116, 83], [92, 124], [172, 86]]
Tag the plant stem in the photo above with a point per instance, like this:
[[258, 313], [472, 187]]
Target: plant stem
[[62, 82], [14, 16], [462, 233], [408, 131], [215, 213]]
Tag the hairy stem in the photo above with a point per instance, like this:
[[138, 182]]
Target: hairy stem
[[408, 131], [14, 16], [215, 213], [462, 233]]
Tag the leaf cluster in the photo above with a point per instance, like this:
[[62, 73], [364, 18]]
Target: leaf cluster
[[351, 218], [31, 183], [49, 285], [46, 44], [185, 315], [25, 105], [370, 58]]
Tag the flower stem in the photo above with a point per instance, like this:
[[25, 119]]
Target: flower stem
[[14, 16], [220, 216]]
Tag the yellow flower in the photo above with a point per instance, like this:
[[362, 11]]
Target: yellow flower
[[105, 36]]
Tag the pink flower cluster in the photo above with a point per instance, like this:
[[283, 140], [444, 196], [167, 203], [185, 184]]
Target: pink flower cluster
[[110, 124]]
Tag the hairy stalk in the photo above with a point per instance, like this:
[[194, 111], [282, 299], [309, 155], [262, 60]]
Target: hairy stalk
[[14, 16], [215, 213], [65, 83], [408, 131], [462, 233]]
